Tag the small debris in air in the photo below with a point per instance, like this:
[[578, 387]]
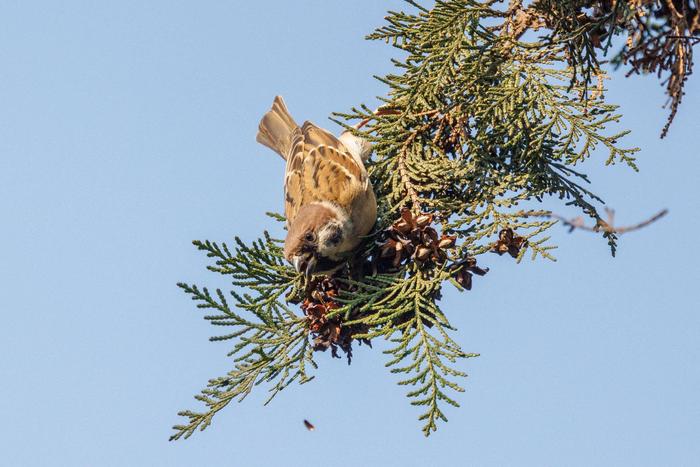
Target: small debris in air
[[309, 426]]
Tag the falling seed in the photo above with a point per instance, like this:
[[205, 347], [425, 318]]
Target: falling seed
[[309, 426]]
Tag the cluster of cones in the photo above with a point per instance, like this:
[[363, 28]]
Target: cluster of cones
[[328, 332], [413, 237], [410, 238]]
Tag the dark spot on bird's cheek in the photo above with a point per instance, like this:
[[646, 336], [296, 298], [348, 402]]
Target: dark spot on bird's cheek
[[335, 238]]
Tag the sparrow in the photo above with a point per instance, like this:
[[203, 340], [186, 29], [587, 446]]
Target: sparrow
[[329, 201]]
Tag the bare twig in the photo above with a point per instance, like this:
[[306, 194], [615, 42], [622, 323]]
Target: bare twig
[[605, 226]]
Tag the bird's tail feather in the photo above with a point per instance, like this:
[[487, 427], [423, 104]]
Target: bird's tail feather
[[276, 127]]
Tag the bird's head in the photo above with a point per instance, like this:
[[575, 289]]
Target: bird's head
[[358, 147], [317, 238]]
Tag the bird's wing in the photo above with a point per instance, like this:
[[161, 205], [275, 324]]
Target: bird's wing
[[320, 168]]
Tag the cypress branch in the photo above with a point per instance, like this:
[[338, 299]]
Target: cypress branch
[[480, 123]]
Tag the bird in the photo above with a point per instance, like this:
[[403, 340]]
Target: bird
[[329, 202]]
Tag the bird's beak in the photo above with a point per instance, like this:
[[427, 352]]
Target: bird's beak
[[310, 267], [305, 264], [298, 263]]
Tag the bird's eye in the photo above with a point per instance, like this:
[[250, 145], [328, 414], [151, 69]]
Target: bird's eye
[[309, 237]]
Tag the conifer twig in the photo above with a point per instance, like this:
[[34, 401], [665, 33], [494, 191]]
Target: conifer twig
[[405, 178]]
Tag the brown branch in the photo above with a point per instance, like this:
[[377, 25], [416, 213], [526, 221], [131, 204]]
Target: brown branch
[[427, 112], [672, 8], [377, 113]]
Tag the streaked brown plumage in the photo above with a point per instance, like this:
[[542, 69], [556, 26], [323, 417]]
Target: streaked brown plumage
[[329, 201]]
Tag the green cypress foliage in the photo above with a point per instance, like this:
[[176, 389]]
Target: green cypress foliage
[[490, 110]]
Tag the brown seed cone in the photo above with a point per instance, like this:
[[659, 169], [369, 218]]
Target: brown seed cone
[[509, 242], [464, 276]]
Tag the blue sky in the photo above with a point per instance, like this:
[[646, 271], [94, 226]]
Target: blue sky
[[127, 129]]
